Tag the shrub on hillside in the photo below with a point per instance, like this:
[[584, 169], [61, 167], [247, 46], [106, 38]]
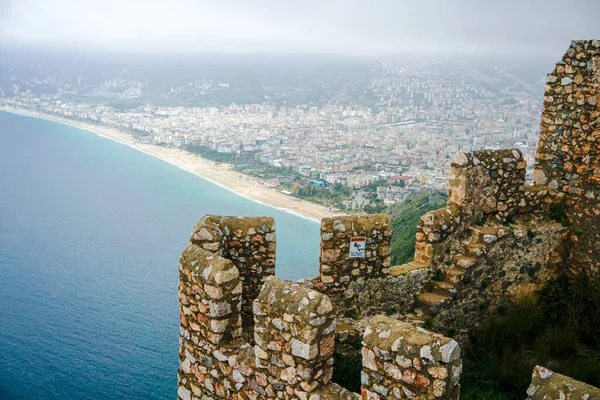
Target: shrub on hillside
[[560, 329]]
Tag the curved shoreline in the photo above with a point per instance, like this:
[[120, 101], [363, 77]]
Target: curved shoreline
[[216, 173]]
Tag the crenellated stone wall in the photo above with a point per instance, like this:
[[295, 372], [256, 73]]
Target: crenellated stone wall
[[245, 334], [290, 354], [568, 157]]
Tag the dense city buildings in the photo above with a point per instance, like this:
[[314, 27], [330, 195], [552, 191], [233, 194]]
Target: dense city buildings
[[397, 139]]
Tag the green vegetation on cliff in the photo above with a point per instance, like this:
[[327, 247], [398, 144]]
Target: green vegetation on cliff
[[405, 216], [560, 329]]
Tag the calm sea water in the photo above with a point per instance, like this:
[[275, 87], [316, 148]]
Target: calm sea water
[[90, 236]]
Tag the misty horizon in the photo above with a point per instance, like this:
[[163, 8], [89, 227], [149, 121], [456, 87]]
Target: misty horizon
[[380, 28]]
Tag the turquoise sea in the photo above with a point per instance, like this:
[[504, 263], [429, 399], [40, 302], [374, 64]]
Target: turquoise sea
[[90, 237]]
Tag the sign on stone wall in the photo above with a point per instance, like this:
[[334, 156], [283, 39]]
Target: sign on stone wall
[[357, 246]]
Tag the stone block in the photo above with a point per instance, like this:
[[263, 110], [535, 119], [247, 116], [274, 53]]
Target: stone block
[[546, 384], [401, 358]]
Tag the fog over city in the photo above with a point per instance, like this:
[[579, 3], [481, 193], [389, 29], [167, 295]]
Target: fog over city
[[350, 27]]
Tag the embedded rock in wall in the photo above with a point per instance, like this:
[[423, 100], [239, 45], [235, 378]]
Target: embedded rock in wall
[[403, 361], [548, 385], [568, 157], [391, 294]]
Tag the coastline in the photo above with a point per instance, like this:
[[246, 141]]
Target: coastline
[[219, 174]]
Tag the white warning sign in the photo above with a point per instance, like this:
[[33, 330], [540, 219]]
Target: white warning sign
[[357, 247]]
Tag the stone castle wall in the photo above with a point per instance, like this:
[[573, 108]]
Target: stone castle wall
[[290, 354], [568, 157], [245, 334]]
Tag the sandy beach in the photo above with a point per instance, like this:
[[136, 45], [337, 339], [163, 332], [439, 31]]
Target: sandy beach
[[218, 173]]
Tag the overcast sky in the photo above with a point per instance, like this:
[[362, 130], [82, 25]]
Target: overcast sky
[[354, 27]]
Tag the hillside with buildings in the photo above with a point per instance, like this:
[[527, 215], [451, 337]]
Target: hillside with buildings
[[378, 132]]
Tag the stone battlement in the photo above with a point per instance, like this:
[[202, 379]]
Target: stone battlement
[[290, 353], [487, 183], [245, 334]]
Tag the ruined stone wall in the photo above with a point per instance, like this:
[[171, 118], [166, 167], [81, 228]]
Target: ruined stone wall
[[492, 243], [568, 157], [249, 242], [487, 182], [483, 184], [546, 385], [402, 361], [293, 341]]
